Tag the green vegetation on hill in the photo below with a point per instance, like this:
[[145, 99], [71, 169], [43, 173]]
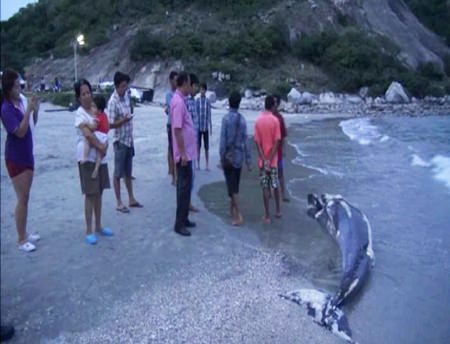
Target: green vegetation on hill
[[50, 26], [227, 36]]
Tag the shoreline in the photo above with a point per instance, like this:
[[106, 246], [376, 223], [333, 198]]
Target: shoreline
[[420, 108]]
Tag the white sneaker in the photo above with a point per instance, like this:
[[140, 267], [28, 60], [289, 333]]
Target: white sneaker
[[27, 247], [34, 237]]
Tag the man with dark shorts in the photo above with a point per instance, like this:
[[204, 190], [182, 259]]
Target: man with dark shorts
[[169, 94], [233, 139], [120, 119], [267, 138], [281, 148]]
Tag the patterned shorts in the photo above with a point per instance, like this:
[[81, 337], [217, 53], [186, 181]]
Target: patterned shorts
[[269, 178]]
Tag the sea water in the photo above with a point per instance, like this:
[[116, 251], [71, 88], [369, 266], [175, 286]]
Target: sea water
[[397, 171]]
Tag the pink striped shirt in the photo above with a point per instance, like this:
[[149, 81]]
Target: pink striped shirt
[[181, 119]]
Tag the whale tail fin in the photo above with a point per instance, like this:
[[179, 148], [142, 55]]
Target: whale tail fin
[[320, 306]]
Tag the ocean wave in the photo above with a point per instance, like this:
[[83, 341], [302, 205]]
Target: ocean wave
[[362, 131], [325, 171], [441, 169], [440, 166], [384, 138], [297, 148], [418, 161]]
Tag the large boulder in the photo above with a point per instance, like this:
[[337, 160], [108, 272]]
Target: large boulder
[[328, 98], [351, 99], [379, 101], [294, 96], [396, 94], [306, 98]]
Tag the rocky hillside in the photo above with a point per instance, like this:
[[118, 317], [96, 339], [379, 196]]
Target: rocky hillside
[[394, 19], [311, 44]]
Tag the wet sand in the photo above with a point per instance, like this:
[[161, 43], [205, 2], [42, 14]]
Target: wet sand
[[306, 248], [146, 284]]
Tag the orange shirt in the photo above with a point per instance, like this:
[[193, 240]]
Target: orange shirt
[[267, 133]]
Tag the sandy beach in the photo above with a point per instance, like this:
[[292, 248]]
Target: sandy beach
[[147, 284]]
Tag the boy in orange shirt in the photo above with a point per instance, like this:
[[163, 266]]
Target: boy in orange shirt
[[267, 138]]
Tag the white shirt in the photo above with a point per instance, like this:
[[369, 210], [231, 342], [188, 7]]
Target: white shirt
[[82, 117], [31, 122]]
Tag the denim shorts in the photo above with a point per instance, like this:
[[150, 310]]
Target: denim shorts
[[123, 160]]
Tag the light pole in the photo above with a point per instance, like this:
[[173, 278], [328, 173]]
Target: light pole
[[78, 41]]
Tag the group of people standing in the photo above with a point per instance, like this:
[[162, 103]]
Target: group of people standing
[[189, 125], [269, 135], [189, 120], [92, 125]]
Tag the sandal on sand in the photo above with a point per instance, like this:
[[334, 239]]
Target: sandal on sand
[[33, 237], [123, 209], [27, 247], [91, 239], [105, 231], [136, 205]]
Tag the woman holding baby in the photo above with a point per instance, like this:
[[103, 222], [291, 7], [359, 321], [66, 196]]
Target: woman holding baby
[[91, 148]]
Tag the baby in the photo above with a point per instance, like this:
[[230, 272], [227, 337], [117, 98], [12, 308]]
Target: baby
[[100, 127]]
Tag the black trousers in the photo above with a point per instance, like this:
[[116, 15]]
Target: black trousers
[[184, 186]]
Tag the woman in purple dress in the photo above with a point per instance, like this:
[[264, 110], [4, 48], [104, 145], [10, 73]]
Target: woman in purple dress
[[19, 156]]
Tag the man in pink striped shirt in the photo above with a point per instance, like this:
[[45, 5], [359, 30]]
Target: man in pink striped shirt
[[184, 152]]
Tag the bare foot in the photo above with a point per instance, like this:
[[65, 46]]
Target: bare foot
[[239, 221], [278, 215], [266, 220]]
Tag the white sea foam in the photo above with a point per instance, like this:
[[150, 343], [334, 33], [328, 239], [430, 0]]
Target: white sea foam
[[298, 149], [384, 138], [441, 169], [440, 166], [418, 161], [362, 131], [325, 171]]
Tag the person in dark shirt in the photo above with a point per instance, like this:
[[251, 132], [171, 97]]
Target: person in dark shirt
[[233, 138], [281, 148]]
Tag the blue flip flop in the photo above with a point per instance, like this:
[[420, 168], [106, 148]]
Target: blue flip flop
[[91, 239], [105, 231]]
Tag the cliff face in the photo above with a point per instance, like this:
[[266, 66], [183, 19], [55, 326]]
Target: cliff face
[[393, 19], [390, 18]]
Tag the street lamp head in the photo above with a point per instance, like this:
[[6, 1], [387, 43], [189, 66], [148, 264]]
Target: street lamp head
[[80, 39]]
